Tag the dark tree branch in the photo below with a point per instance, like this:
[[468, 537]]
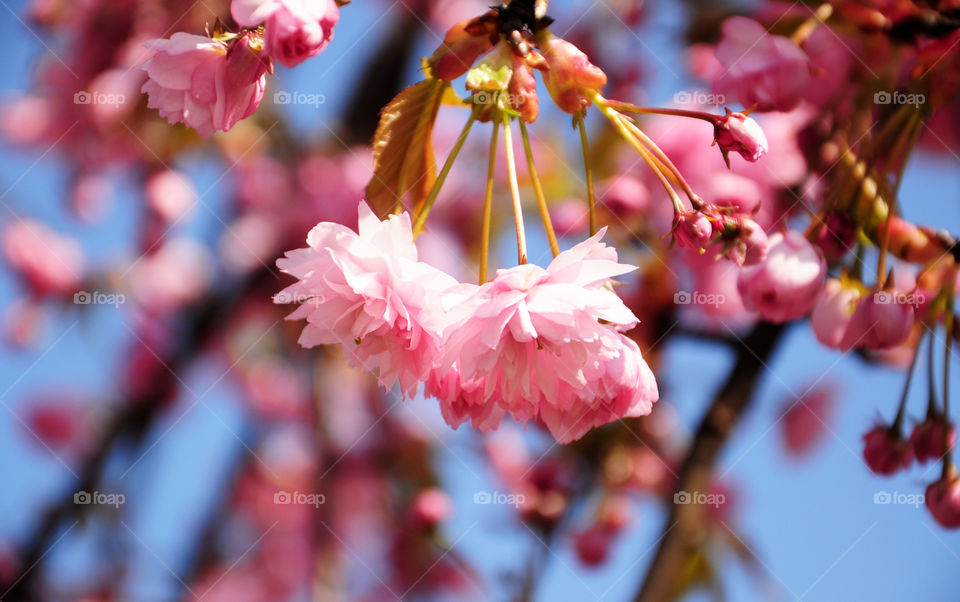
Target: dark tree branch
[[686, 528]]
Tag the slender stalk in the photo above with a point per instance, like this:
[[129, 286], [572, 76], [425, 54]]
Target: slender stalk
[[438, 184], [931, 388], [591, 195], [948, 327], [664, 161], [538, 191], [626, 107], [514, 190], [488, 204], [901, 411]]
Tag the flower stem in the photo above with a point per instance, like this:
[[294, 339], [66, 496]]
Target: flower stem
[[665, 162], [538, 191], [488, 204], [906, 387], [591, 195], [951, 286], [626, 107], [438, 184], [514, 190], [931, 389]]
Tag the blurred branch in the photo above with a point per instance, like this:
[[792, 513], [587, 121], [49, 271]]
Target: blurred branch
[[686, 529]]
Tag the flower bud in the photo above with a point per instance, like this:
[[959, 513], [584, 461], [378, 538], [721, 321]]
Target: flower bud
[[735, 132], [886, 451], [788, 281], [927, 439], [692, 229], [943, 501], [750, 245], [879, 322], [570, 74], [464, 43], [834, 309]]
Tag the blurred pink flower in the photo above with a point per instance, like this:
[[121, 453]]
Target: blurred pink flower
[[886, 451], [368, 292], [170, 194], [788, 282], [833, 311], [928, 438], [942, 498], [760, 68], [881, 321], [173, 276], [295, 29], [204, 83], [50, 263]]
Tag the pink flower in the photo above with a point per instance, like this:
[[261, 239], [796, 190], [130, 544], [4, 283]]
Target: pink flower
[[788, 282], [805, 422], [431, 507], [571, 75], [51, 264], [943, 501], [170, 194], [759, 68], [833, 311], [692, 229], [295, 29], [928, 438], [886, 451], [530, 342], [750, 245], [368, 292], [204, 83], [881, 321], [735, 132]]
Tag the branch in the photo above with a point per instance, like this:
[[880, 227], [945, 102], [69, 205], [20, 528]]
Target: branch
[[686, 528]]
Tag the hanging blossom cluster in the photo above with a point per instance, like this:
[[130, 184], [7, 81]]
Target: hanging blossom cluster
[[212, 82], [540, 344]]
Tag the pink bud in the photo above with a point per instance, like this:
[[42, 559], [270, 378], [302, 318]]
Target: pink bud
[[50, 264], [295, 30], [593, 546], [881, 321], [570, 74], [735, 132], [886, 451], [750, 246], [834, 309], [927, 439], [431, 507], [462, 46], [692, 229], [788, 282], [943, 501]]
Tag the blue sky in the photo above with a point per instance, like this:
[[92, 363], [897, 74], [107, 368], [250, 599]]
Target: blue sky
[[813, 525]]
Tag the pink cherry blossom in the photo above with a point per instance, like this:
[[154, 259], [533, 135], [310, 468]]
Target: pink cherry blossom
[[788, 282], [51, 264], [880, 321], [295, 29], [833, 311], [204, 83], [368, 292], [760, 68], [530, 343], [170, 194]]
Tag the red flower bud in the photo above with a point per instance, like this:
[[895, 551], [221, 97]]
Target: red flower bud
[[570, 74], [886, 451]]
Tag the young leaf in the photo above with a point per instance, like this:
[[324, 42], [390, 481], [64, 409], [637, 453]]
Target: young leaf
[[403, 150]]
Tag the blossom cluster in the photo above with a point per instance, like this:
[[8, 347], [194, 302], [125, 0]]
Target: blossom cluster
[[540, 344]]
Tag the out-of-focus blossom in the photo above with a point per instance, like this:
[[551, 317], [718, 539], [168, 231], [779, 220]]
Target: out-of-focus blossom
[[760, 68], [886, 451], [833, 311], [431, 507], [175, 275], [368, 292], [881, 321], [50, 264], [295, 30], [806, 420], [205, 83], [170, 194], [788, 282], [933, 438], [943, 501]]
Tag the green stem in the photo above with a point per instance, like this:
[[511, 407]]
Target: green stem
[[591, 195], [538, 191], [488, 204], [514, 190]]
